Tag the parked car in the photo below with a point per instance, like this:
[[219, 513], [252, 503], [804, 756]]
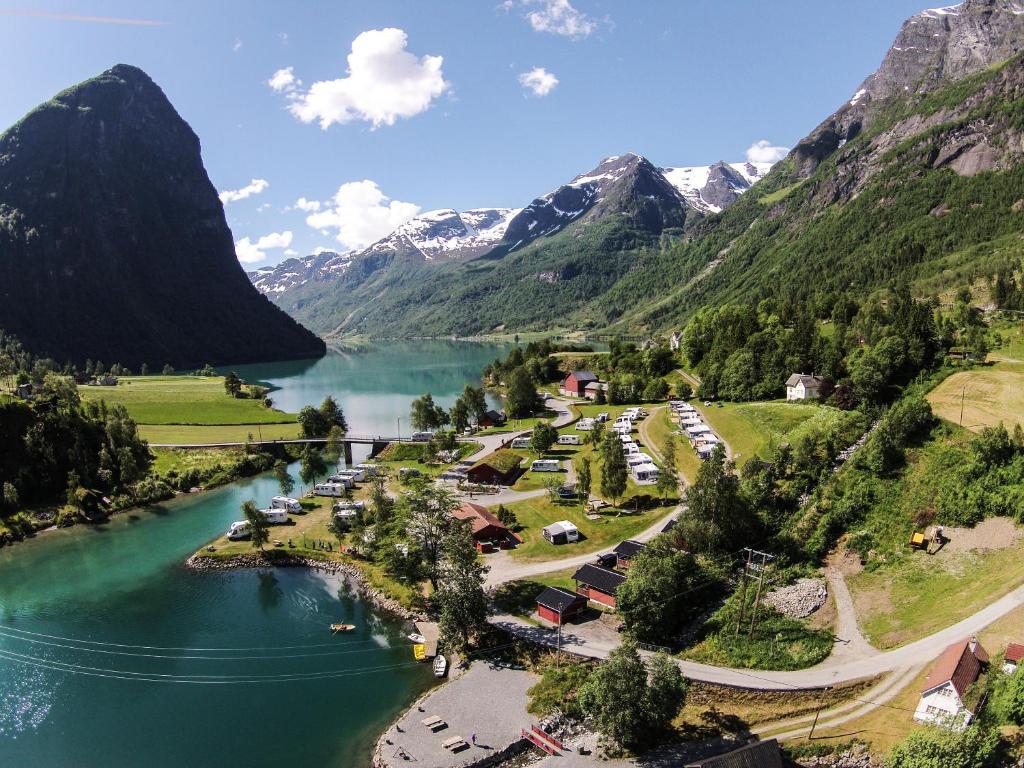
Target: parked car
[[565, 492]]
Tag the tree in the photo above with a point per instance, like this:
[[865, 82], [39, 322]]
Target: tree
[[459, 415], [553, 486], [168, 369], [520, 394], [429, 509], [944, 747], [613, 469], [312, 465], [628, 707], [312, 422], [284, 479], [583, 479], [233, 384], [668, 478], [334, 437], [332, 415], [656, 600], [144, 370], [543, 437], [259, 530], [475, 401], [426, 414], [596, 435], [683, 390], [507, 517], [462, 604], [10, 496], [716, 518]]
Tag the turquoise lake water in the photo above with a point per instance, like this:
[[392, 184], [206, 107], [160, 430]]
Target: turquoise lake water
[[113, 654]]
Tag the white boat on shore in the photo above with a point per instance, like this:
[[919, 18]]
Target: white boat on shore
[[440, 665], [417, 638]]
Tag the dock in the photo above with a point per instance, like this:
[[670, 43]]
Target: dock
[[430, 631]]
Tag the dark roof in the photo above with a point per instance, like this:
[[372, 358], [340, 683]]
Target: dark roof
[[583, 375], [501, 461], [960, 664], [760, 754], [629, 548], [809, 380], [494, 415], [558, 599], [1014, 652], [601, 578], [669, 525]]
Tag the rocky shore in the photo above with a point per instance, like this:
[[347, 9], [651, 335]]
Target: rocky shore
[[375, 597]]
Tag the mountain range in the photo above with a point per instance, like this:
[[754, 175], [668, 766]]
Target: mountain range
[[113, 243]]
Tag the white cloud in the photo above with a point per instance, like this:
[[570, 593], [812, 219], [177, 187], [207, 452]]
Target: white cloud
[[360, 214], [291, 252], [284, 80], [559, 17], [307, 205], [538, 81], [384, 82], [763, 152], [264, 207], [249, 252], [320, 249], [254, 187], [237, 46]]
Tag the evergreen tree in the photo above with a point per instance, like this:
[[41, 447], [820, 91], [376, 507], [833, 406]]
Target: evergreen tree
[[233, 384], [284, 479], [543, 437], [613, 469], [521, 394], [460, 598], [583, 479], [332, 415], [259, 530]]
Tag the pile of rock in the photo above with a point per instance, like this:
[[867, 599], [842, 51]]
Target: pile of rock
[[800, 599], [858, 757]]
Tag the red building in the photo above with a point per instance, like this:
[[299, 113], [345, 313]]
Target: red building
[[575, 384], [626, 551], [558, 605], [488, 532], [499, 468], [598, 584]]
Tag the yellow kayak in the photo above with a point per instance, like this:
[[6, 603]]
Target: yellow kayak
[[420, 652]]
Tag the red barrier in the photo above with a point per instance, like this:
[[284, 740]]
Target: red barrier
[[545, 735]]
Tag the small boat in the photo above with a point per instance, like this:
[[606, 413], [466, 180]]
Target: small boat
[[417, 638], [440, 665], [419, 651], [335, 628]]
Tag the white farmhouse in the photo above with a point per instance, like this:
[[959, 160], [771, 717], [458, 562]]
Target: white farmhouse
[[942, 700], [803, 386]]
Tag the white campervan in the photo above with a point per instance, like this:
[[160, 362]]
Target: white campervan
[[329, 489], [343, 480], [275, 516], [370, 470], [356, 475], [239, 530], [521, 443], [568, 439], [286, 503], [585, 425], [546, 465]]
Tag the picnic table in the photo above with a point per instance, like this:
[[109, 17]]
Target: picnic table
[[455, 743], [434, 723]]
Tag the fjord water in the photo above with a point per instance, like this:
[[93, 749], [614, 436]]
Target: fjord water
[[64, 702]]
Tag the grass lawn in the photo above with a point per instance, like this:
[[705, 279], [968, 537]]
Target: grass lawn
[[659, 426], [599, 535], [518, 425], [990, 395], [921, 594], [520, 597], [754, 429], [399, 455], [183, 400], [180, 434]]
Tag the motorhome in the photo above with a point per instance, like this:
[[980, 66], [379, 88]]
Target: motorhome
[[275, 516], [562, 532], [329, 489], [286, 503], [638, 458], [422, 437], [370, 470], [631, 449], [521, 443], [239, 530], [357, 475], [342, 480], [344, 505], [569, 440], [546, 465], [585, 425]]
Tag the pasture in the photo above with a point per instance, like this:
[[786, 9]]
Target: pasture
[[987, 396]]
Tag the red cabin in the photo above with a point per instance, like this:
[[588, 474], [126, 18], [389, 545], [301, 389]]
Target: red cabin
[[598, 584], [487, 531], [558, 605]]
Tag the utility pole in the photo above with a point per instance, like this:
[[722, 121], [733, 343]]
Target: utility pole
[[760, 568], [558, 645], [963, 392], [817, 712], [743, 589]]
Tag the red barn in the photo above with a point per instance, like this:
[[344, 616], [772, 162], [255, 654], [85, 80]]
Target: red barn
[[598, 584], [558, 605], [487, 531], [575, 384]]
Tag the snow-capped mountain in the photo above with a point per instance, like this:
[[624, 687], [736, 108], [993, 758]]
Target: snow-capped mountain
[[448, 234], [292, 273], [712, 188]]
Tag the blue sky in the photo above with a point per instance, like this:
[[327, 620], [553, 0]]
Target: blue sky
[[462, 110]]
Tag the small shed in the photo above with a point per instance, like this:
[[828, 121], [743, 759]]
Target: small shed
[[492, 418], [558, 605], [626, 551], [499, 468], [562, 532], [598, 584], [1013, 657]]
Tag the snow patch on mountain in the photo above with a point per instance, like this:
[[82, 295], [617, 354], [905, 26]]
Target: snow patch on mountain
[[693, 182]]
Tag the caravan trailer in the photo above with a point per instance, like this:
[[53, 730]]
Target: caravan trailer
[[645, 474], [342, 479], [356, 475], [521, 443], [562, 532], [275, 516], [568, 439], [546, 465], [286, 503], [370, 470], [329, 489]]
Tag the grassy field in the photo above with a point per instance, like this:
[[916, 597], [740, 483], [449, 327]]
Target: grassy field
[[922, 594], [659, 427], [989, 395], [755, 429], [181, 434], [520, 597], [599, 535]]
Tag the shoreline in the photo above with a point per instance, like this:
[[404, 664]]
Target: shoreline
[[375, 597]]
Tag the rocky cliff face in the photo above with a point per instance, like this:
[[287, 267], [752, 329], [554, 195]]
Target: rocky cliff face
[[113, 243], [933, 48]]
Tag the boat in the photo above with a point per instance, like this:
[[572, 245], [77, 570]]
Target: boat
[[440, 665], [417, 638], [335, 628], [419, 651]]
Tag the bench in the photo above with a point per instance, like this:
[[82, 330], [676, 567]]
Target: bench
[[455, 743], [434, 723]]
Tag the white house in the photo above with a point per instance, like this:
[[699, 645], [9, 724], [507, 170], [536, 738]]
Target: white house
[[942, 699], [803, 386]]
